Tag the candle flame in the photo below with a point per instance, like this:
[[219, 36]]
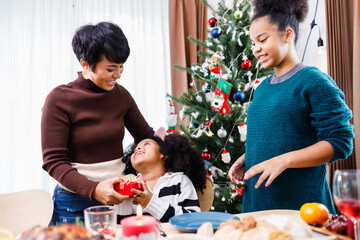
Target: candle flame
[[139, 211]]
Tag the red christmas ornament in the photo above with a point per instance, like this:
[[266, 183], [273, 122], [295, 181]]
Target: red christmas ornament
[[212, 22], [240, 191], [206, 155], [208, 123], [246, 64]]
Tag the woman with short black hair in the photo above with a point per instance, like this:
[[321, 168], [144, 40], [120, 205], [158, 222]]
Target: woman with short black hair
[[83, 124]]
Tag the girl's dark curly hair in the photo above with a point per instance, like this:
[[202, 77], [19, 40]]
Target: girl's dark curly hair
[[282, 12], [180, 157]]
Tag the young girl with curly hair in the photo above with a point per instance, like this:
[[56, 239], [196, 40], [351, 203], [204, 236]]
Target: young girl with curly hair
[[297, 122], [171, 172]]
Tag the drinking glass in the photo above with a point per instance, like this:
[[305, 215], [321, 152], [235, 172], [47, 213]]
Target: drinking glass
[[101, 220], [346, 191]]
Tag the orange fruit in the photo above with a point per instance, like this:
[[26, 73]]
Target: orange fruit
[[314, 213]]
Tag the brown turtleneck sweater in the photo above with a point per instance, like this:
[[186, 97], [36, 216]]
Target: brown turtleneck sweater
[[82, 129]]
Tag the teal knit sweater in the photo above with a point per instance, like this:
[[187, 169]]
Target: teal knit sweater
[[291, 115]]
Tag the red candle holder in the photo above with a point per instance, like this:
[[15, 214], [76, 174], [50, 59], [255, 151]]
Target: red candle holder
[[137, 228]]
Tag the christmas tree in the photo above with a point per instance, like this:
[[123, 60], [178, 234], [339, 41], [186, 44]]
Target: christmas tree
[[224, 83]]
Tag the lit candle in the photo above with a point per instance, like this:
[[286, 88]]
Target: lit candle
[[139, 226]]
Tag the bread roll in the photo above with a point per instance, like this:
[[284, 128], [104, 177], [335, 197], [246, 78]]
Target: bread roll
[[232, 222], [206, 229], [255, 234], [279, 235], [292, 225], [223, 233], [235, 234]]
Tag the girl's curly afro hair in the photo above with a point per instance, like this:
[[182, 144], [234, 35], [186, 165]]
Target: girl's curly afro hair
[[282, 12], [182, 157]]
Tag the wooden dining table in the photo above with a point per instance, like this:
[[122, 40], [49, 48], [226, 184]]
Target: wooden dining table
[[171, 230]]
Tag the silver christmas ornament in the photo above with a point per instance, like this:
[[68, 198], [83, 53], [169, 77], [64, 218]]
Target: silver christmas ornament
[[222, 133]]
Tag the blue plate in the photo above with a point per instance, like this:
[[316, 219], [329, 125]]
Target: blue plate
[[192, 221]]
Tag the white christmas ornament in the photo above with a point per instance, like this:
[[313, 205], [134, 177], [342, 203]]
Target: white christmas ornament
[[170, 107], [171, 122], [198, 98], [225, 156], [209, 96], [197, 133], [172, 117], [229, 4], [242, 130], [249, 75], [222, 132], [182, 113]]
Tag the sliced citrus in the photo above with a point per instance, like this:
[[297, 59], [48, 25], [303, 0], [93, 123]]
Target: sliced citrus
[[6, 234]]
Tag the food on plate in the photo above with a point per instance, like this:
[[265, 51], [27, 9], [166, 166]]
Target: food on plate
[[279, 235], [314, 213], [206, 229], [245, 224], [235, 235], [292, 225], [128, 182], [228, 232], [271, 227], [263, 230], [61, 232]]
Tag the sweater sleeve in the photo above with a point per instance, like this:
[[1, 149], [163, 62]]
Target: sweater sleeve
[[330, 116], [55, 127], [135, 121], [163, 208]]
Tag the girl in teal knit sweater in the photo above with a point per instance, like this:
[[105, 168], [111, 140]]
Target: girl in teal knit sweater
[[297, 122]]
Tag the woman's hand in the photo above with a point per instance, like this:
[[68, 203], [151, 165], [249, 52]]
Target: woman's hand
[[270, 169], [142, 197], [105, 193], [236, 172]]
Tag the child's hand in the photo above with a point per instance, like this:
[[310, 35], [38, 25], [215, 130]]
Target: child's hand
[[270, 169], [236, 172], [142, 198]]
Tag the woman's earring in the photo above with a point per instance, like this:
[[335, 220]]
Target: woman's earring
[[86, 74]]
